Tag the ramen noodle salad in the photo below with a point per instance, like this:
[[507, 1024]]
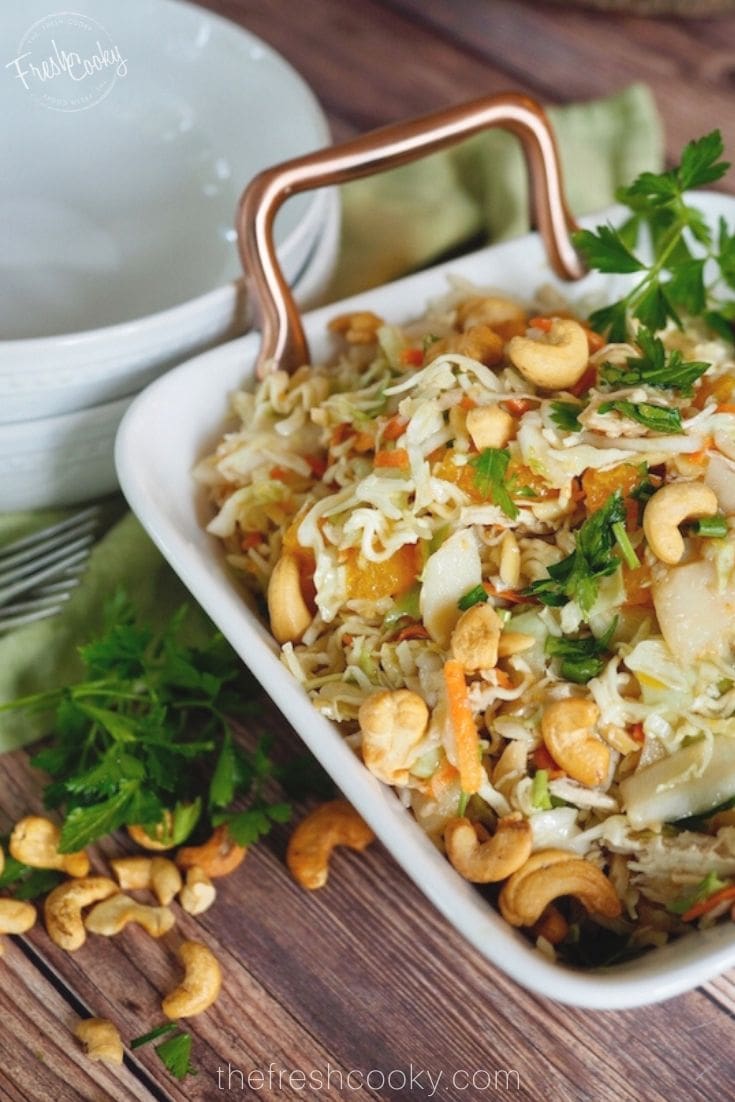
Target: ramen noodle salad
[[500, 554]]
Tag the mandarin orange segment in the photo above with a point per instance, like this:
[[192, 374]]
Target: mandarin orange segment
[[369, 581]]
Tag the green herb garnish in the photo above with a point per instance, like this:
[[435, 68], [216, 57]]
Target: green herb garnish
[[145, 738], [654, 367], [489, 470], [626, 547], [703, 890], [578, 576], [581, 658], [711, 527], [673, 281], [475, 596], [25, 882], [566, 415], [540, 795], [657, 418], [174, 1053]]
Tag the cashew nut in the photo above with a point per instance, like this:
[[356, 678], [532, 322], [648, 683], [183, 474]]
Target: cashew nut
[[550, 874], [489, 310], [475, 638], [201, 983], [218, 856], [63, 908], [556, 360], [289, 615], [310, 846], [667, 509], [552, 925], [16, 916], [392, 725], [199, 893], [159, 840], [114, 914], [35, 842], [360, 327], [514, 642], [510, 560], [101, 1040], [566, 728], [487, 861], [140, 873], [481, 343], [489, 426]]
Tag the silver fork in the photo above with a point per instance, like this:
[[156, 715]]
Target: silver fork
[[39, 572]]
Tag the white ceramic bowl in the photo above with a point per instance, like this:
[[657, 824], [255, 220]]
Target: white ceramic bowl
[[155, 454], [68, 459], [118, 254]]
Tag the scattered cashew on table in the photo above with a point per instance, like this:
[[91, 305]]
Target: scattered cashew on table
[[100, 905]]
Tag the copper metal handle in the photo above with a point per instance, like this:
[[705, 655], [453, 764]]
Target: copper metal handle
[[283, 341]]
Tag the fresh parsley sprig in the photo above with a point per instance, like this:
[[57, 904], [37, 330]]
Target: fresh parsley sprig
[[174, 1052], [654, 367], [577, 577], [146, 737], [489, 476], [566, 415], [661, 419], [582, 658], [673, 281]]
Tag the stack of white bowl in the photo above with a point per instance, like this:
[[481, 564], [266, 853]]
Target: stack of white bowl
[[119, 257]]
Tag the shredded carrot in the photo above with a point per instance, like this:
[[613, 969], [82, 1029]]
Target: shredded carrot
[[411, 631], [397, 458], [281, 474], [726, 407], [412, 357], [637, 733], [709, 904], [517, 406], [251, 539], [542, 759], [395, 427], [467, 742], [544, 324], [583, 385], [467, 402], [341, 432], [318, 464], [513, 596], [594, 341], [364, 442]]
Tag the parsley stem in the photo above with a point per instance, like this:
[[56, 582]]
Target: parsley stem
[[154, 1033], [670, 241], [626, 547]]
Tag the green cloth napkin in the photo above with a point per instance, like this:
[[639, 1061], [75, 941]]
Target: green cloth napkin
[[408, 218], [392, 224]]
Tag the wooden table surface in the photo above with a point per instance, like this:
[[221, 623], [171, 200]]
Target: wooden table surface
[[364, 976]]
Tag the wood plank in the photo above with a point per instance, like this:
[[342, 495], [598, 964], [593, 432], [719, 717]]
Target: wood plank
[[572, 54], [367, 64], [39, 1058]]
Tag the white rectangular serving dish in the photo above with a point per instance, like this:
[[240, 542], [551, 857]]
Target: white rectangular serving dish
[[177, 420]]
